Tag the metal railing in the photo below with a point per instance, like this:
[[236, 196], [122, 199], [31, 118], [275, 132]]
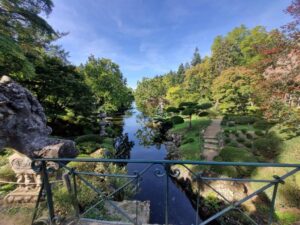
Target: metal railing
[[165, 172]]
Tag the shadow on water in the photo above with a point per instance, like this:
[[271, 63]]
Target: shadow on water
[[152, 187]]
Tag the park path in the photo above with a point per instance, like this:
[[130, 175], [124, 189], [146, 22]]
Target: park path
[[211, 141]]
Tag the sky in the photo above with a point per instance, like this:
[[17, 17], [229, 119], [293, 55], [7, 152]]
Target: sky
[[151, 37]]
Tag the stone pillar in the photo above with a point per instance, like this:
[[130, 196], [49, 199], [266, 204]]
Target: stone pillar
[[29, 182]]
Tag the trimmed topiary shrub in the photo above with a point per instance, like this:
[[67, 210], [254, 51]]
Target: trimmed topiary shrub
[[227, 140], [244, 131], [259, 133], [262, 124], [231, 124], [240, 140], [204, 113], [233, 144], [177, 119], [248, 144], [188, 140], [249, 136], [267, 146]]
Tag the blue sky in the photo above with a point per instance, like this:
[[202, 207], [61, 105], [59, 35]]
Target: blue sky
[[147, 38]]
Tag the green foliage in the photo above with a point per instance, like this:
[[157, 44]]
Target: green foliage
[[233, 144], [248, 144], [267, 146], [204, 113], [172, 110], [88, 147], [89, 137], [262, 124], [107, 84], [240, 140], [249, 136], [188, 140], [234, 154], [233, 90], [259, 133], [177, 119]]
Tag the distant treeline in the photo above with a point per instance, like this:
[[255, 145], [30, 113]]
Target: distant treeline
[[250, 71]]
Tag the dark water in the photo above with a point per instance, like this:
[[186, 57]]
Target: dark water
[[152, 187]]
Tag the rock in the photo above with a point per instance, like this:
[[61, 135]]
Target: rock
[[23, 124]]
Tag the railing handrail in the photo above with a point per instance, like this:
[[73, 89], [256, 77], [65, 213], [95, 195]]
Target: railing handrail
[[191, 162]]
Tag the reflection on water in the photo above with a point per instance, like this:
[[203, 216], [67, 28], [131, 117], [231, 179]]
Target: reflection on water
[[153, 187]]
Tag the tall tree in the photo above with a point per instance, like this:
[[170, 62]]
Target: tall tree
[[107, 84], [196, 58]]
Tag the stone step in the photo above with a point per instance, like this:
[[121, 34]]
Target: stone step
[[209, 155], [210, 137], [211, 146], [214, 141]]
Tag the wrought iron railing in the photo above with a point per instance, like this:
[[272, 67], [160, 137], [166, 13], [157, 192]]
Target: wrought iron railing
[[165, 172]]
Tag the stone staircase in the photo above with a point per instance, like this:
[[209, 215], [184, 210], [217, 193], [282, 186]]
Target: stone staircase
[[211, 145]]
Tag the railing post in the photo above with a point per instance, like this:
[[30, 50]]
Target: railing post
[[48, 192], [75, 200], [272, 208], [166, 195]]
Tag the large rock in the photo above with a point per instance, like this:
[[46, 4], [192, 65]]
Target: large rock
[[23, 124]]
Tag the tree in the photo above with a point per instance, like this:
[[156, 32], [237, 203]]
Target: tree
[[196, 58], [22, 33], [149, 93], [107, 84], [189, 108], [234, 91]]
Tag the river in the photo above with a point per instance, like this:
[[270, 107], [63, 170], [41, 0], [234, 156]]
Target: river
[[181, 211]]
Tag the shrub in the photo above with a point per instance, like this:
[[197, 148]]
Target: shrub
[[259, 133], [227, 135], [268, 146], [233, 144], [88, 147], [204, 113], [261, 124], [7, 173], [248, 144], [177, 119], [243, 120], [234, 132], [88, 138], [172, 110], [234, 154], [244, 131], [231, 124], [249, 136], [240, 139], [237, 134], [227, 140], [226, 131], [188, 140]]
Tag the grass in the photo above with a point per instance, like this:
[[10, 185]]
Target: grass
[[191, 150]]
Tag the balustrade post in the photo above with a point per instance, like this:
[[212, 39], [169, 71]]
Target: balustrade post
[[48, 193]]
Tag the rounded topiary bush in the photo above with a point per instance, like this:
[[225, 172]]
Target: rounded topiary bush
[[202, 114], [177, 119], [261, 124], [249, 136], [259, 133], [248, 144], [240, 139], [267, 146]]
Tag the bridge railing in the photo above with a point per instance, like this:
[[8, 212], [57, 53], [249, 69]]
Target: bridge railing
[[163, 169]]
